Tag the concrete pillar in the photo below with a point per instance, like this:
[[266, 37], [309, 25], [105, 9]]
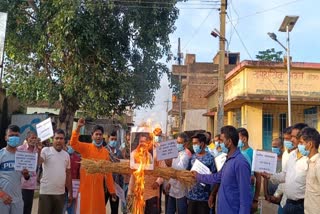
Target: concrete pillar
[[251, 119], [230, 118]]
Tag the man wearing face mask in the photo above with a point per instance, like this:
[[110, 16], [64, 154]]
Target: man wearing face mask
[[198, 195], [270, 188], [177, 201], [247, 152], [309, 145], [234, 195], [11, 201], [28, 186], [91, 185], [293, 175], [115, 156]]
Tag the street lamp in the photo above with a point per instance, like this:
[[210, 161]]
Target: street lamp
[[287, 26]]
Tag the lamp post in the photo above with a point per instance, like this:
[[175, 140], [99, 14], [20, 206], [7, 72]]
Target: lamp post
[[287, 26]]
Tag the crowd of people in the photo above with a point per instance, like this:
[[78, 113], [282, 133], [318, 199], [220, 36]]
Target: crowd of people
[[232, 188]]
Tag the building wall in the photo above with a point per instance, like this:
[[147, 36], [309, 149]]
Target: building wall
[[194, 120], [39, 110]]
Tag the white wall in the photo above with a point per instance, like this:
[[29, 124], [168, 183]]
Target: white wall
[[194, 120]]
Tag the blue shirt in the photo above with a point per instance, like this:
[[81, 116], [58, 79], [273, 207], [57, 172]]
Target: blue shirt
[[234, 196], [201, 192]]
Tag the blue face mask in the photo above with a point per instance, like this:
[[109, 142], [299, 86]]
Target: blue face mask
[[196, 149], [97, 144], [157, 139], [216, 143], [14, 141], [180, 147], [288, 144], [224, 149], [240, 144], [302, 150], [70, 150], [113, 144], [276, 150], [123, 145]]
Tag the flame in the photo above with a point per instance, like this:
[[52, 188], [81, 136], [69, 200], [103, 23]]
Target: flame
[[141, 157]]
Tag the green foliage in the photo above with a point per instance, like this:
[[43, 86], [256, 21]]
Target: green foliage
[[270, 55], [99, 56]]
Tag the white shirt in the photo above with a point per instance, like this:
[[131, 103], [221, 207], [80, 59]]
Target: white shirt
[[293, 176], [285, 158], [312, 197], [54, 166], [178, 190]]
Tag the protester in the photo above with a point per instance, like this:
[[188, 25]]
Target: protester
[[11, 201], [309, 145], [126, 178], [247, 152], [115, 156], [234, 194], [293, 176], [198, 195], [177, 201], [56, 176], [91, 185], [28, 186], [270, 188]]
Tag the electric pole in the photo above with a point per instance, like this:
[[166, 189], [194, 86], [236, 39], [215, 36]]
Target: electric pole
[[220, 109], [180, 88]]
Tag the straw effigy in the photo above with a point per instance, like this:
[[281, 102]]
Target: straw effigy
[[102, 166]]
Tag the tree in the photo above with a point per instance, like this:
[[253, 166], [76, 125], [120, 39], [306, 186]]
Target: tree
[[100, 56], [270, 55]]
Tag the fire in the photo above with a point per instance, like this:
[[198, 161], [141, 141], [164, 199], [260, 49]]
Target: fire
[[141, 157]]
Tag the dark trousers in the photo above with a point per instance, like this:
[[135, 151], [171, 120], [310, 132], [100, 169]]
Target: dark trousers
[[198, 207], [114, 205], [294, 207], [27, 196], [51, 204], [152, 206]]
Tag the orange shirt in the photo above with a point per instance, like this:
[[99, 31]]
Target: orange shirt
[[91, 185]]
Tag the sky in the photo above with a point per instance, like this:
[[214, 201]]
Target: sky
[[248, 22]]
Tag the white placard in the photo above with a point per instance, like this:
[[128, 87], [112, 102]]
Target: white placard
[[44, 129], [26, 160], [75, 187], [220, 160], [120, 193], [200, 168], [167, 150], [264, 161]]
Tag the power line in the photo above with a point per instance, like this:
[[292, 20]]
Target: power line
[[197, 30], [266, 10]]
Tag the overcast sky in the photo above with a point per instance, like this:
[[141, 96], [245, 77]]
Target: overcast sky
[[248, 23]]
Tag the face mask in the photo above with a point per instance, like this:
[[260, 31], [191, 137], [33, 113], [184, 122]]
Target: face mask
[[276, 150], [206, 149], [14, 141], [224, 149], [288, 144], [97, 144], [302, 150], [216, 143], [240, 144], [70, 150], [196, 149], [157, 139], [123, 145], [180, 147], [113, 143]]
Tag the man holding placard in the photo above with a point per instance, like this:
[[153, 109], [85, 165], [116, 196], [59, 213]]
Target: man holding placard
[[234, 196], [10, 180], [294, 175], [28, 186]]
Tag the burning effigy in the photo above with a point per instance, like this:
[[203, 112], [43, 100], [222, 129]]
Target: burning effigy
[[142, 163]]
